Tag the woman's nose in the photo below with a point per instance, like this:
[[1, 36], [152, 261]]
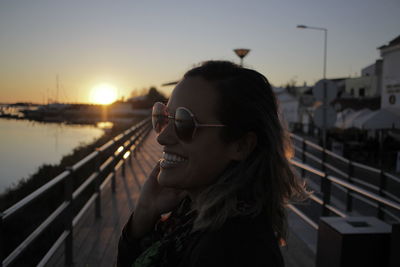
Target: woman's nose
[[167, 136]]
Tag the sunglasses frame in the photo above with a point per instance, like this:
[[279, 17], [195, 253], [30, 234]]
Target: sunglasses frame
[[196, 123]]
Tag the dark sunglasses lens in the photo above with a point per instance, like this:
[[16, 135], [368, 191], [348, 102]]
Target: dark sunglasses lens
[[159, 118], [184, 124]]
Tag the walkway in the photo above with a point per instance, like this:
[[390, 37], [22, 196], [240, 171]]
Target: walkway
[[95, 241]]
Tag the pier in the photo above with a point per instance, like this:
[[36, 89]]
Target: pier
[[92, 229]]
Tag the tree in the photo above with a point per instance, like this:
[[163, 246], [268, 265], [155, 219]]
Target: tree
[[139, 92], [152, 95], [155, 96], [291, 86]]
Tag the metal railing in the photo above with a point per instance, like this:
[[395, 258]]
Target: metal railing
[[112, 155], [372, 179], [348, 184], [108, 159], [327, 181]]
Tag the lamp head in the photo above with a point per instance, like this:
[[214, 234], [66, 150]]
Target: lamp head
[[241, 52], [301, 26]]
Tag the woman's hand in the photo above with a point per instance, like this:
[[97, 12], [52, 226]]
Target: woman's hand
[[154, 200], [158, 199]]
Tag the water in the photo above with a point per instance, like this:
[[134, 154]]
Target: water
[[26, 145]]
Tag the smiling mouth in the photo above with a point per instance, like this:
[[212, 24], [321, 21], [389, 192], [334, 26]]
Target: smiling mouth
[[171, 160]]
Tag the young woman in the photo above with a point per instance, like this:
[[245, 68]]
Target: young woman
[[224, 177]]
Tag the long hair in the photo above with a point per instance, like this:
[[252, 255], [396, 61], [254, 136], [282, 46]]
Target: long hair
[[265, 180]]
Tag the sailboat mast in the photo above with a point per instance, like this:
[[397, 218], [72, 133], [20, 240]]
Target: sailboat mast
[[58, 86]]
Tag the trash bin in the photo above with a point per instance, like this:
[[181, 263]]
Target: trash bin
[[395, 246], [353, 241]]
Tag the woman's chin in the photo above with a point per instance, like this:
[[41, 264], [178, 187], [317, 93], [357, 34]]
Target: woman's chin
[[167, 179]]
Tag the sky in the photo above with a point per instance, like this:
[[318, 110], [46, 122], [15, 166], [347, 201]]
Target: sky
[[133, 45]]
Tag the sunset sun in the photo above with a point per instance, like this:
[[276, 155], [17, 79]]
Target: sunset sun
[[103, 94]]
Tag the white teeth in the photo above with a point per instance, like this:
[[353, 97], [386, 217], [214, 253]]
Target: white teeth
[[169, 161], [172, 157]]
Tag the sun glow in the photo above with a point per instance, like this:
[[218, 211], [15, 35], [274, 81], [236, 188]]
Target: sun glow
[[103, 94]]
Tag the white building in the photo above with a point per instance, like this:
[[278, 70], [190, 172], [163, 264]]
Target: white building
[[391, 74], [288, 105], [368, 85], [365, 86]]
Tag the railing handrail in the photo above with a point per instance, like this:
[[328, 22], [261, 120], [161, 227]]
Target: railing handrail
[[364, 192], [348, 161], [41, 190], [35, 194], [347, 185], [126, 141], [332, 154], [353, 190], [129, 140]]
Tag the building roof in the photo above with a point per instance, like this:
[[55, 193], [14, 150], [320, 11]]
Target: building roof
[[337, 79], [395, 41], [356, 104]]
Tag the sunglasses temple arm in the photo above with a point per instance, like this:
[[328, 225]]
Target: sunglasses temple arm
[[210, 125]]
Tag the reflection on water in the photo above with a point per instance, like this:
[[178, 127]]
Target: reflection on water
[[106, 125], [26, 145]]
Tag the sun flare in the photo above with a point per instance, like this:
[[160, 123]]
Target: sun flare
[[103, 94]]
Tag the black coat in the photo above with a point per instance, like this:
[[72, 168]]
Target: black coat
[[241, 241]]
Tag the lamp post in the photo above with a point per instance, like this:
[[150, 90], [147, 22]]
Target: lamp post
[[241, 52], [324, 102]]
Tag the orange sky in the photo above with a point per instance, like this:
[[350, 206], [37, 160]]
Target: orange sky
[[138, 44]]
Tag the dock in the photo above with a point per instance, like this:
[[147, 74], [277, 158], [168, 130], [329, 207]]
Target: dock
[[96, 240]]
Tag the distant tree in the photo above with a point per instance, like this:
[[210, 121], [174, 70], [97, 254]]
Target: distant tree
[[152, 95], [155, 96], [139, 92], [291, 86]]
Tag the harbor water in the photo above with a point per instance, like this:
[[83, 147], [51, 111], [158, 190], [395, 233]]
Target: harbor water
[[26, 145]]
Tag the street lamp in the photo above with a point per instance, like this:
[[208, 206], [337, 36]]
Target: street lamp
[[325, 42], [241, 52], [324, 102]]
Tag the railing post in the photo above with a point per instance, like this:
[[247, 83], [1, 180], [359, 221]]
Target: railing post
[[349, 198], [123, 167], [303, 157], [382, 187], [137, 142], [134, 145], [323, 159], [130, 154], [113, 180], [68, 191], [97, 183], [326, 191], [2, 243]]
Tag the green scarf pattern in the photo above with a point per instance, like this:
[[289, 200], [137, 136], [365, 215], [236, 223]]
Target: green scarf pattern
[[168, 238]]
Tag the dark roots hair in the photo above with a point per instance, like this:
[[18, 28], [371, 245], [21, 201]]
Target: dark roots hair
[[263, 182]]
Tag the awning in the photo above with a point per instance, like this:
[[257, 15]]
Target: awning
[[341, 117], [347, 120], [387, 118]]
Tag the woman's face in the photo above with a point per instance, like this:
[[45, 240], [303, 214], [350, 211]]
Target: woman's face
[[205, 156]]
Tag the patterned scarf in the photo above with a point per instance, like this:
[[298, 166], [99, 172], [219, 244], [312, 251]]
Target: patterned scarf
[[167, 241]]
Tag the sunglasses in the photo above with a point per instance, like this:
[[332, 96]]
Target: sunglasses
[[185, 123]]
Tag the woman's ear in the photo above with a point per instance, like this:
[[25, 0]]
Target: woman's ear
[[243, 147]]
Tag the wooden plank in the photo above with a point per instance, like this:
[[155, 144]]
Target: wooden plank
[[96, 240], [100, 246]]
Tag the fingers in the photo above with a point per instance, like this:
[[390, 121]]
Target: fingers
[[155, 171]]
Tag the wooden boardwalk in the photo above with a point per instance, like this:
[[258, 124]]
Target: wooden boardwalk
[[96, 240]]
